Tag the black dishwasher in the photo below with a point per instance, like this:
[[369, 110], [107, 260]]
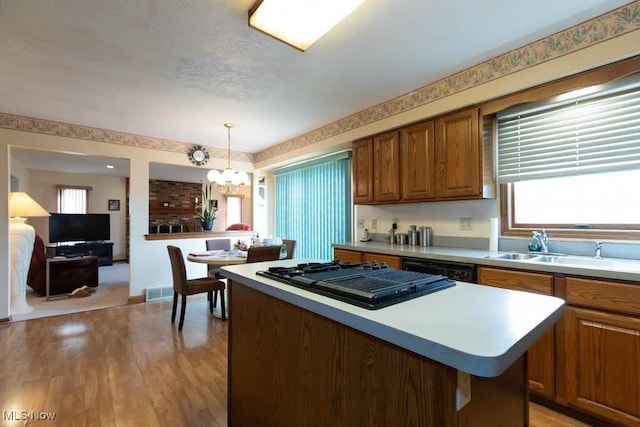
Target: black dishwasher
[[461, 271]]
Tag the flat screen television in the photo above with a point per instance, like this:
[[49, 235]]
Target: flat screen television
[[79, 227]]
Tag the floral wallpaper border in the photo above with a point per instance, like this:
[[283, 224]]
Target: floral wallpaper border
[[620, 21]]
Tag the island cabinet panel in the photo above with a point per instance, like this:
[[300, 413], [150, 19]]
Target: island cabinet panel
[[458, 155], [541, 354], [386, 167], [291, 367], [418, 162], [363, 171]]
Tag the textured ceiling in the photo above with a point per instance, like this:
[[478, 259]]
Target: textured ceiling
[[179, 69]]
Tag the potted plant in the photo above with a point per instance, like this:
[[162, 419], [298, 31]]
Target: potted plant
[[208, 212]]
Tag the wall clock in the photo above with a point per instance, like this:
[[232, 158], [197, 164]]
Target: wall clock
[[198, 155]]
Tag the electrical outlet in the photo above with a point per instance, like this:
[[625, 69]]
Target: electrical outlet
[[465, 224], [374, 224], [361, 223]]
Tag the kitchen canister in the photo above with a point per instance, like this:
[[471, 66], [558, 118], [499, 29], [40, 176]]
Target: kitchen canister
[[413, 237], [425, 236], [401, 238]]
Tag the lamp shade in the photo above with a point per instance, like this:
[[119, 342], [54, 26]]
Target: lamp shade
[[22, 205]]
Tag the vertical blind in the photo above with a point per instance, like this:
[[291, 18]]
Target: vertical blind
[[572, 135], [313, 205]]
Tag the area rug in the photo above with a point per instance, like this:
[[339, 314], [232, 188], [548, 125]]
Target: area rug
[[112, 290]]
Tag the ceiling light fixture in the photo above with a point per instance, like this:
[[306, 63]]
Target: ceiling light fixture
[[229, 181], [299, 23]]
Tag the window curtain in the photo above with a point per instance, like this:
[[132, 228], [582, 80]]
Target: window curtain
[[593, 130], [313, 204]]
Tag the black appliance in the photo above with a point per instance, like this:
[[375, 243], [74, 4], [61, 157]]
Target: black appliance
[[463, 272], [368, 285], [79, 227]]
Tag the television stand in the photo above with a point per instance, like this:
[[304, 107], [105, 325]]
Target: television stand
[[103, 250]]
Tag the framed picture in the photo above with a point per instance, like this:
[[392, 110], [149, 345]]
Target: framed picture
[[114, 205]]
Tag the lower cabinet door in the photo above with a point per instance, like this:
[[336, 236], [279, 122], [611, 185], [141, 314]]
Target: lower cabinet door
[[603, 364]]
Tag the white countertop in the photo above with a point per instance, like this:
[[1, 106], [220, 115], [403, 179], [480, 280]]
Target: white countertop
[[626, 271], [477, 329]]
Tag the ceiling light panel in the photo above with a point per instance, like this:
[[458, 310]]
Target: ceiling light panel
[[299, 23]]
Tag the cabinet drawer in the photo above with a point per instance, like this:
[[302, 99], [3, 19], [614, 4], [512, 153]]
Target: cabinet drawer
[[516, 280], [613, 296]]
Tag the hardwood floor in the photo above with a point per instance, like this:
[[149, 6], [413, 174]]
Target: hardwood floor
[[128, 366]]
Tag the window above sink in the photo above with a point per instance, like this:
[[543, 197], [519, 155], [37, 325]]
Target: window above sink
[[569, 163]]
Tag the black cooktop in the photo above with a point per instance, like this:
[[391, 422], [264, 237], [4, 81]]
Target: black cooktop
[[368, 285]]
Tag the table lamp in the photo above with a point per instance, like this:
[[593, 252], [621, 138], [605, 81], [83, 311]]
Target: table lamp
[[21, 206]]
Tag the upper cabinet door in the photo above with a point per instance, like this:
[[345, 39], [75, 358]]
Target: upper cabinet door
[[458, 155], [418, 162], [386, 170], [363, 171]]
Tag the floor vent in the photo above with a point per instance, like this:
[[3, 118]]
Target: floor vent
[[160, 292]]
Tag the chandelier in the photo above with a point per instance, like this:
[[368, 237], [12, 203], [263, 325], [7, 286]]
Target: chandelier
[[228, 181]]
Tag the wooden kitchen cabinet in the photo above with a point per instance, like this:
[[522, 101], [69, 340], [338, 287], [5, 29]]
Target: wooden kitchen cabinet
[[363, 171], [602, 348], [541, 354], [391, 260], [343, 255], [357, 257], [458, 155], [440, 159], [386, 167], [417, 151]]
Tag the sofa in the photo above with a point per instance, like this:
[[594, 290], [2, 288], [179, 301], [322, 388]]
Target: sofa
[[65, 274]]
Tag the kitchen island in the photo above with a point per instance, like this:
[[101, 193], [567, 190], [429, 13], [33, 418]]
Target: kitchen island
[[453, 357]]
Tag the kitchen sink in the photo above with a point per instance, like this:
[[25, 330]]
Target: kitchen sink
[[571, 260], [603, 263], [518, 256]]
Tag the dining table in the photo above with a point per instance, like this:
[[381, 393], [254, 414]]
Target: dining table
[[218, 257]]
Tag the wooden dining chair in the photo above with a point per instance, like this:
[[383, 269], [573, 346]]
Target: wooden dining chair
[[263, 253], [213, 271], [185, 287], [291, 247]]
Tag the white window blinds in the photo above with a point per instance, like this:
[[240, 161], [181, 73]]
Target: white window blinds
[[585, 133], [73, 199]]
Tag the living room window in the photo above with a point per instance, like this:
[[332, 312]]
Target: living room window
[[73, 199], [571, 164]]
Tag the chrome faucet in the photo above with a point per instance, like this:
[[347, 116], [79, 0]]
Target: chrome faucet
[[539, 242], [544, 242], [598, 251]]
